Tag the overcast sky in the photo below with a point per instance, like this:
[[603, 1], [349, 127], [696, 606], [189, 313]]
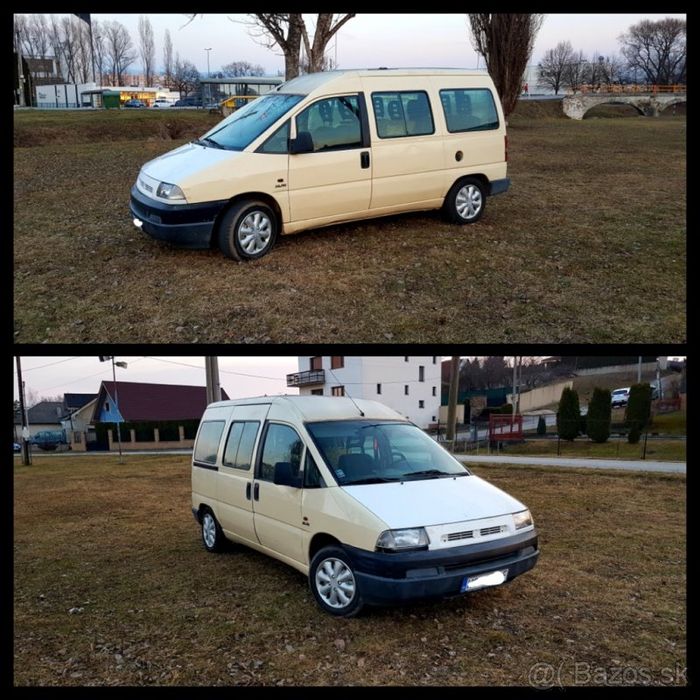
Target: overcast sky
[[372, 40], [52, 376]]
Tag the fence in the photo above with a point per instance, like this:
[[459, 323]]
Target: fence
[[632, 89]]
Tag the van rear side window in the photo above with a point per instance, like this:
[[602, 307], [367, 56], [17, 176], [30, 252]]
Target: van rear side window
[[402, 114], [469, 110], [239, 445], [208, 441]]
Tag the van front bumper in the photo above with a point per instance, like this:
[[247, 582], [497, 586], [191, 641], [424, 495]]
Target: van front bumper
[[385, 578], [186, 225]]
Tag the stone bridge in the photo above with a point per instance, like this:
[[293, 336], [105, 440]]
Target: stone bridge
[[575, 106]]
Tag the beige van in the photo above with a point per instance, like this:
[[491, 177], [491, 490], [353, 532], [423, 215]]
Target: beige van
[[326, 148], [355, 497]]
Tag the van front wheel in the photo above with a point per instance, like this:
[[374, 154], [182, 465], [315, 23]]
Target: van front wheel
[[466, 201], [334, 584], [247, 231]]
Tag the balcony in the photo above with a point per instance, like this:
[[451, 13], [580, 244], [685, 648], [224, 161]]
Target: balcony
[[314, 376]]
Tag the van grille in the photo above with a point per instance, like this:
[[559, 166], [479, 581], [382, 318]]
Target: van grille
[[492, 530], [460, 535]]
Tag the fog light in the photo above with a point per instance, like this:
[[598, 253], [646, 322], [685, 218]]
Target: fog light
[[138, 223]]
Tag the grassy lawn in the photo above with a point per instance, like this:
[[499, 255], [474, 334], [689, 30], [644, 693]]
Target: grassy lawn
[[119, 544], [574, 252], [673, 450], [670, 423]]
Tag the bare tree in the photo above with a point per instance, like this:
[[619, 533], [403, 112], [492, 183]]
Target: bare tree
[[98, 48], [185, 76], [238, 68], [658, 49], [147, 49], [168, 67], [33, 34], [327, 26], [550, 71], [118, 50], [577, 72], [505, 41], [284, 30]]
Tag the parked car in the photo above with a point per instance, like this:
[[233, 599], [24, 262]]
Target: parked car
[[619, 397], [190, 101], [161, 103], [134, 104], [357, 498], [16, 447], [330, 147], [49, 439]]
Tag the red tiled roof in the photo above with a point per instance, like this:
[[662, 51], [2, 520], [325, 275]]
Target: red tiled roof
[[141, 401]]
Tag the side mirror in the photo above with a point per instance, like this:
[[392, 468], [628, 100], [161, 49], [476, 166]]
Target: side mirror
[[303, 143], [284, 475]]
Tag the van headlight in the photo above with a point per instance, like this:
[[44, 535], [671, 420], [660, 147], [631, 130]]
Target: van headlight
[[410, 538], [168, 191], [522, 519]]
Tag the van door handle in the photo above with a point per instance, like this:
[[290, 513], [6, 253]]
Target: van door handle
[[256, 491], [364, 159], [247, 491]]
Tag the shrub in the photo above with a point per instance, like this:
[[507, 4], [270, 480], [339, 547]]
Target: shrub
[[599, 413], [638, 411], [568, 415], [541, 426]]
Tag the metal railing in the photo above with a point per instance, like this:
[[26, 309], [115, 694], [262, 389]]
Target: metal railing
[[630, 89], [314, 376]]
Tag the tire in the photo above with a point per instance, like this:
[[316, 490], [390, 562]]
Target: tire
[[332, 580], [466, 201], [212, 537], [248, 231]]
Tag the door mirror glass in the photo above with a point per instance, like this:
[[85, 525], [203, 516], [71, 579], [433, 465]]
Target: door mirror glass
[[285, 476]]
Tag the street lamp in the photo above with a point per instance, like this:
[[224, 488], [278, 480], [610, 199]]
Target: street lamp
[[208, 72], [123, 365]]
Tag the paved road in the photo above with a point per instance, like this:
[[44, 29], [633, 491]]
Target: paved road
[[126, 453], [628, 464]]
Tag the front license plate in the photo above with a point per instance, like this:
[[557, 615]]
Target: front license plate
[[494, 578]]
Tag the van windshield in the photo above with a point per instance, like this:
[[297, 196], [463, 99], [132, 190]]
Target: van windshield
[[247, 123], [372, 452]]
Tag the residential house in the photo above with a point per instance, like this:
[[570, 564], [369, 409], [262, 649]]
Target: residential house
[[46, 415], [408, 384]]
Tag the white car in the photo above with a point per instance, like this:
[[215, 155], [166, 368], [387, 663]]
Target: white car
[[619, 397], [161, 103]]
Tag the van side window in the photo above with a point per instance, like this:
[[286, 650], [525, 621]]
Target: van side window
[[282, 444], [208, 441], [334, 123], [240, 443], [278, 142], [402, 114], [469, 110], [312, 475]]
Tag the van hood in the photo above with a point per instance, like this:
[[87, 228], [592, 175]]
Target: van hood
[[180, 165], [434, 501]]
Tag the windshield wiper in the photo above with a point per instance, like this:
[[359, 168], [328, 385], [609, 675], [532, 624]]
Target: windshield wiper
[[371, 480], [207, 140], [435, 473]]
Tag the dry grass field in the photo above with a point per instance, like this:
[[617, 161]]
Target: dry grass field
[[117, 546], [587, 246]]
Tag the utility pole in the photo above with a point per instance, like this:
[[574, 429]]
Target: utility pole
[[213, 384], [452, 404], [105, 358], [639, 370], [26, 456], [513, 397]]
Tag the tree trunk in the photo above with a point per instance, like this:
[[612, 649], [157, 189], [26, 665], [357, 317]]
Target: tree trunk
[[292, 47]]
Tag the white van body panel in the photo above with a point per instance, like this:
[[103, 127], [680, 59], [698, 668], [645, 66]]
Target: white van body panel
[[434, 501]]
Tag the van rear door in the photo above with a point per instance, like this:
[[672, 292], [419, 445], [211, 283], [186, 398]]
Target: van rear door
[[235, 487]]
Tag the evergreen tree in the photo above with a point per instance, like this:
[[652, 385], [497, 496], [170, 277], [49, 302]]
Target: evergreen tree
[[638, 411], [599, 413], [568, 415], [541, 426]]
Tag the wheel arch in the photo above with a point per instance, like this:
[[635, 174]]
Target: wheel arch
[[321, 540], [486, 183], [254, 196]]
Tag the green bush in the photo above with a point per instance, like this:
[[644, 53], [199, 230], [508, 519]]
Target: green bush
[[638, 411], [541, 426], [599, 414], [568, 415]]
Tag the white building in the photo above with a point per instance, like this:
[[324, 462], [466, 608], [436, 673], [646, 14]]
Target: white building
[[409, 385]]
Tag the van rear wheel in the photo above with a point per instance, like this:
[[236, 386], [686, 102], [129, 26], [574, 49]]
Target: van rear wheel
[[334, 584], [248, 231], [212, 536], [466, 201]]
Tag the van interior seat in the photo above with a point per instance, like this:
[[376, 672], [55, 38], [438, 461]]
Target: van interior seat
[[357, 466], [418, 118]]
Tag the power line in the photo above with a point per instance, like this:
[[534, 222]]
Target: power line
[[51, 364], [225, 371], [73, 381]]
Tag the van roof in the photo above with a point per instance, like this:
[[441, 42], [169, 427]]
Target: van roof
[[317, 408], [305, 84]]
